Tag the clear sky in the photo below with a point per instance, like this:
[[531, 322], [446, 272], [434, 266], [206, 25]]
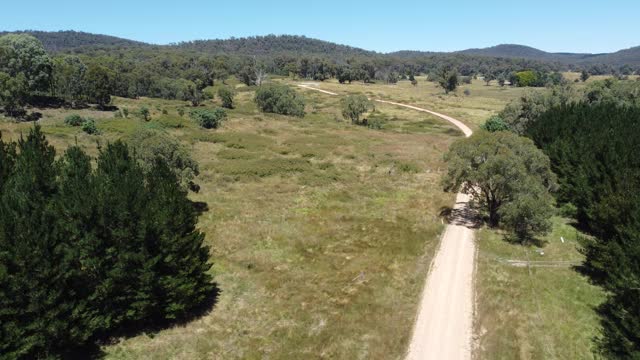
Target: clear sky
[[550, 25]]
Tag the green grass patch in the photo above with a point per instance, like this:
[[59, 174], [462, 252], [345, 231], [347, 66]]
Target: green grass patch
[[537, 312]]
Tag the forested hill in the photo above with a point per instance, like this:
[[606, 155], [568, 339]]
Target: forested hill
[[274, 44], [56, 41], [296, 46], [628, 56]]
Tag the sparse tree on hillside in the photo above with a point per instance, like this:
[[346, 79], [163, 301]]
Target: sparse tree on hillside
[[261, 75], [447, 77], [584, 75], [488, 76], [502, 79]]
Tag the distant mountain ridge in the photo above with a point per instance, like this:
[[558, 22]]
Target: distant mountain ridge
[[629, 56], [58, 41]]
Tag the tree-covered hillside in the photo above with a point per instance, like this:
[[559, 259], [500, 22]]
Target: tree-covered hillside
[[55, 41]]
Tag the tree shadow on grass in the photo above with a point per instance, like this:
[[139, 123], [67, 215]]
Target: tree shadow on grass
[[513, 239], [150, 327]]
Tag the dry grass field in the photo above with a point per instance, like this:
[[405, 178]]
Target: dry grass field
[[322, 231]]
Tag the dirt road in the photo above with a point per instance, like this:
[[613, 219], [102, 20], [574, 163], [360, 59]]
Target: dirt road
[[443, 327]]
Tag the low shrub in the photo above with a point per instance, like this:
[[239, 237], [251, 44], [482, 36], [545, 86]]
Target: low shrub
[[209, 119], [74, 120], [89, 126]]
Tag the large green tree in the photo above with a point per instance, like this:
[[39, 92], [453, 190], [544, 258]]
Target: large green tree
[[24, 54], [99, 79], [497, 169]]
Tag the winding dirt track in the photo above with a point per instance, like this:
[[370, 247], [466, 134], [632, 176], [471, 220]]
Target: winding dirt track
[[443, 327]]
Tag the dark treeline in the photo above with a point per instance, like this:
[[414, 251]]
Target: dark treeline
[[594, 151], [86, 251]]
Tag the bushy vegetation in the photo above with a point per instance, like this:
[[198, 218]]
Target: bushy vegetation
[[226, 95], [495, 123], [354, 106], [279, 99], [89, 126], [207, 118], [85, 252], [508, 176], [74, 120]]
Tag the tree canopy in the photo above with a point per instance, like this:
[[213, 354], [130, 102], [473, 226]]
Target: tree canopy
[[501, 170]]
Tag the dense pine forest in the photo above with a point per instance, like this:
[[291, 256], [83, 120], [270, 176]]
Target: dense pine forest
[[594, 150]]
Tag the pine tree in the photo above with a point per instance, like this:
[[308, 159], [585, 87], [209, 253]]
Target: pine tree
[[7, 159], [85, 252], [117, 256], [34, 301], [177, 255], [76, 209]]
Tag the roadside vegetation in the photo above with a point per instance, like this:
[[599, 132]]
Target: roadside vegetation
[[590, 135]]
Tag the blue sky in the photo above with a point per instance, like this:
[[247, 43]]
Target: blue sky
[[559, 25]]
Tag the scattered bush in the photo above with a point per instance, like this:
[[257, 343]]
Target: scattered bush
[[376, 124], [125, 112], [467, 92], [353, 106], [209, 119], [279, 99], [226, 95], [89, 126], [144, 113], [74, 120], [495, 123]]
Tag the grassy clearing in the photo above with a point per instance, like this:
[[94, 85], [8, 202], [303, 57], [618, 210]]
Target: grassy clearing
[[537, 312], [483, 102], [321, 231]]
